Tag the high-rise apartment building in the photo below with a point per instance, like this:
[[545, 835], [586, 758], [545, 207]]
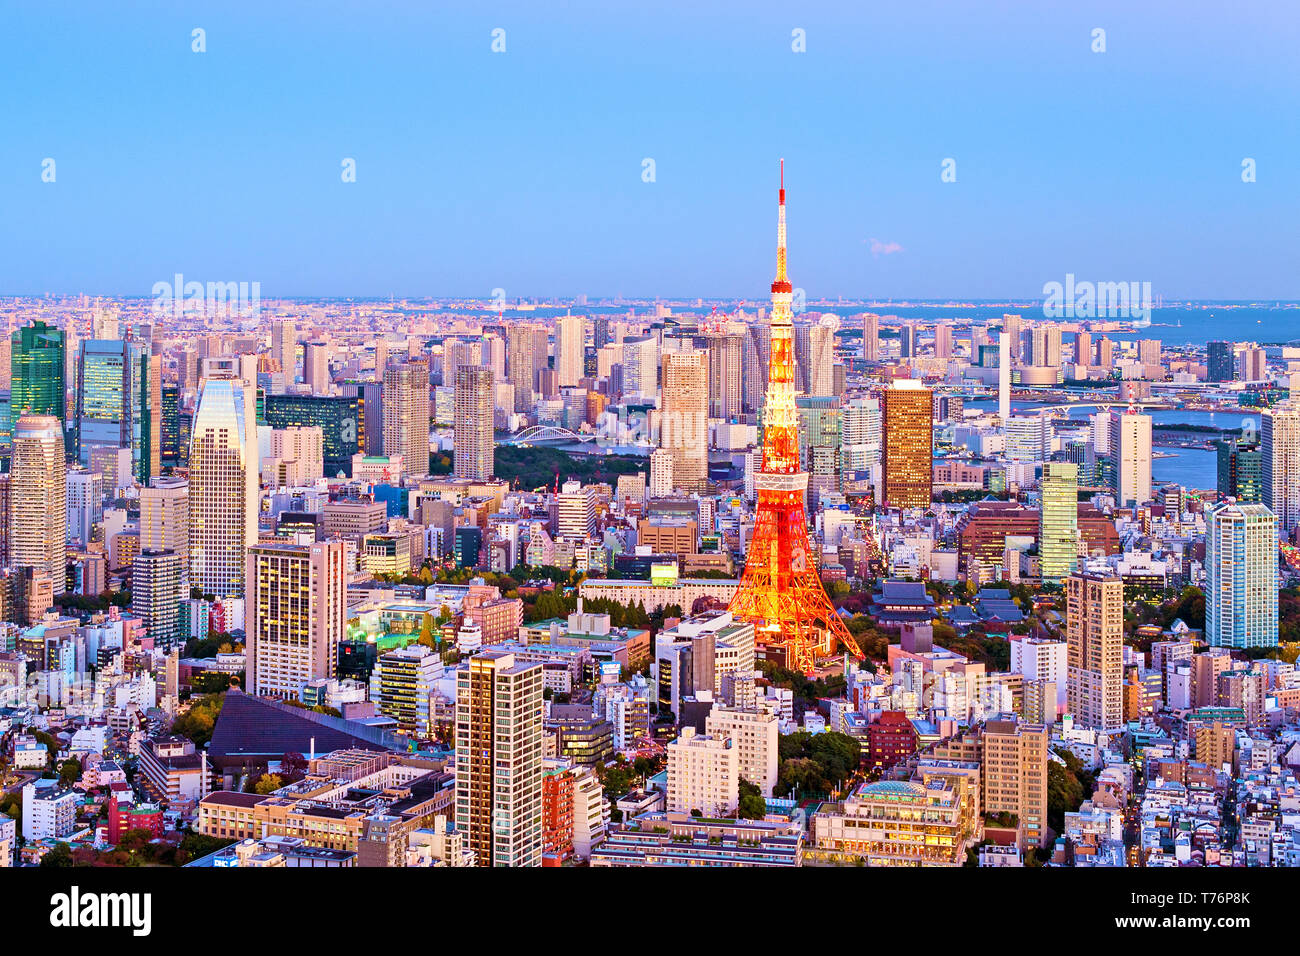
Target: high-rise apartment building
[[1279, 447], [570, 348], [703, 774], [473, 435], [406, 415], [296, 600], [157, 588], [1058, 544], [726, 364], [1130, 440], [871, 337], [684, 417], [38, 506], [165, 516], [754, 736], [526, 352], [1241, 601], [1095, 634], [499, 759], [906, 411], [284, 347], [576, 511], [224, 494]]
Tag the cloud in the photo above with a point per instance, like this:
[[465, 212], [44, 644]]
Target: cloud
[[881, 248]]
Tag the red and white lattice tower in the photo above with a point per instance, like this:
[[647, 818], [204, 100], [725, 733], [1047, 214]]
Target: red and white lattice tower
[[780, 590]]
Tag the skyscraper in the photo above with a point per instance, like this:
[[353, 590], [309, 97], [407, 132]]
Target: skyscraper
[[38, 507], [284, 347], [111, 375], [821, 356], [1094, 628], [1004, 376], [406, 415], [296, 608], [223, 490], [1279, 448], [860, 440], [755, 355], [1241, 602], [526, 351], [473, 436], [684, 417], [871, 337], [906, 411], [1240, 470], [726, 362], [165, 516], [1130, 446], [499, 759], [907, 340], [1059, 528], [570, 347], [943, 341], [316, 367], [37, 372]]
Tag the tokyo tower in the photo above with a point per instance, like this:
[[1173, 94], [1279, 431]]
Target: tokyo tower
[[780, 590]]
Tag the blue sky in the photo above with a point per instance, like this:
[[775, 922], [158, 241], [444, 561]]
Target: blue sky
[[522, 170]]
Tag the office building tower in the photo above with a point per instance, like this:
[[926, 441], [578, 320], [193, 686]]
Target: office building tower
[[684, 417], [224, 495], [1240, 470], [473, 435], [341, 418], [296, 607], [906, 410], [820, 440], [157, 589], [570, 347], [499, 759], [1220, 362], [406, 415], [1279, 452], [170, 451], [871, 337], [1059, 528], [111, 385], [1130, 439], [38, 370], [38, 505], [1094, 628], [860, 440], [1241, 585], [726, 364]]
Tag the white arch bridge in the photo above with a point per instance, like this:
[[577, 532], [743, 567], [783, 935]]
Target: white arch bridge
[[545, 434]]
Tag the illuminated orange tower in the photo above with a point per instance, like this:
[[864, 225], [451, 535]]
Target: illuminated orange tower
[[780, 590]]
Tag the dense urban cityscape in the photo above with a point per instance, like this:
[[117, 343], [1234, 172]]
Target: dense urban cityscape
[[514, 441], [533, 583]]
